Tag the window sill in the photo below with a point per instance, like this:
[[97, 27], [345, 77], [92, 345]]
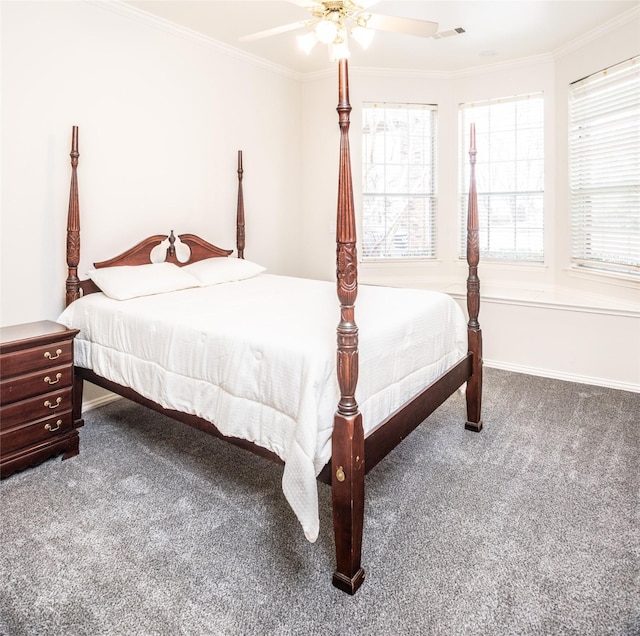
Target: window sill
[[553, 297], [603, 276], [533, 291], [545, 297]]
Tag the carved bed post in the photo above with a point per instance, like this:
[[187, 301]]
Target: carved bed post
[[240, 211], [474, 333], [73, 259], [347, 462], [73, 225]]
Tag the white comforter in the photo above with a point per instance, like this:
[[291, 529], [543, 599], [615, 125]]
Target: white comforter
[[258, 357]]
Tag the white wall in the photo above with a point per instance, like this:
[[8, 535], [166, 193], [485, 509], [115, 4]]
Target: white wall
[[544, 318], [161, 115]]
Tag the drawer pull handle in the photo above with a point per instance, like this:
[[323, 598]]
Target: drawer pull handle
[[53, 406], [52, 357], [48, 380], [50, 427]]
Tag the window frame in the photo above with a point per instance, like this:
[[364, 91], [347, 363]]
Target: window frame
[[491, 217], [604, 120]]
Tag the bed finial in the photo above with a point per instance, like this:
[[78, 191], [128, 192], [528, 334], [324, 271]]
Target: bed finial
[[171, 250], [240, 210], [73, 225], [474, 333]]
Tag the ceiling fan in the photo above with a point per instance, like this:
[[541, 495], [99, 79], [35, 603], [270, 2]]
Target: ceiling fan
[[332, 21]]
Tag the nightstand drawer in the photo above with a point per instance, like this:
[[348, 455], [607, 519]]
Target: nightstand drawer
[[43, 357], [46, 405], [21, 387], [35, 432]]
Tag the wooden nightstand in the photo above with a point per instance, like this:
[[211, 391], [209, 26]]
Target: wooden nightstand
[[38, 415]]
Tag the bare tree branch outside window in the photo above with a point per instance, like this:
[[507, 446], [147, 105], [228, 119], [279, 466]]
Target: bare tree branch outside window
[[399, 199]]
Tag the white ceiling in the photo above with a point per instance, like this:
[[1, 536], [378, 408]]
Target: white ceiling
[[496, 31]]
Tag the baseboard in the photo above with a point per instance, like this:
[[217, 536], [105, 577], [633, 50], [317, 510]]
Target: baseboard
[[559, 375], [89, 405]]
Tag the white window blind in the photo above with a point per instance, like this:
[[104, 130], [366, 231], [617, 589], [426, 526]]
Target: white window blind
[[604, 158], [398, 181], [509, 176]]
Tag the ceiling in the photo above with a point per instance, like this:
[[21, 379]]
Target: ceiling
[[495, 31]]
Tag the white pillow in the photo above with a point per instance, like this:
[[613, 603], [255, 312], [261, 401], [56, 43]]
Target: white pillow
[[130, 281], [212, 271]]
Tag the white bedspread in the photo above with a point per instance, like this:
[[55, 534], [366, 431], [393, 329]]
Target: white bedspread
[[258, 357]]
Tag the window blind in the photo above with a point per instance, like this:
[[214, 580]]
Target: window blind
[[509, 176], [398, 181], [604, 158]]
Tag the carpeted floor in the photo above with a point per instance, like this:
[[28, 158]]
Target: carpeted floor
[[530, 527]]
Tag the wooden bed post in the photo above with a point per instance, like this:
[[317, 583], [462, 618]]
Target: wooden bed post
[[73, 225], [474, 333], [73, 259], [240, 210], [347, 461]]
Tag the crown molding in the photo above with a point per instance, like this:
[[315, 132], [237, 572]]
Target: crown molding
[[430, 75], [602, 30], [143, 17], [509, 65], [147, 19], [544, 58]]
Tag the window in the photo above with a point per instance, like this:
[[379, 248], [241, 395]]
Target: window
[[604, 169], [509, 176], [398, 182]]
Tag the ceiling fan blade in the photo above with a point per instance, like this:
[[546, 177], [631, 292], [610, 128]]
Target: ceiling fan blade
[[275, 31], [445, 34], [411, 26]]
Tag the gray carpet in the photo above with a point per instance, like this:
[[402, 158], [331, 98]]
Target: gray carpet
[[530, 527]]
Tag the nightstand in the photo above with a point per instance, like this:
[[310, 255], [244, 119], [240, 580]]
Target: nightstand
[[38, 415]]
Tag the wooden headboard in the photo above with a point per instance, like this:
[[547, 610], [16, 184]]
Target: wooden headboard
[[139, 254]]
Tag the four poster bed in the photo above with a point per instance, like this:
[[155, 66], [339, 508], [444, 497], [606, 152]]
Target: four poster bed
[[272, 378]]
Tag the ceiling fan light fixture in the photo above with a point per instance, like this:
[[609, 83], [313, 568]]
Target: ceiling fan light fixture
[[362, 36], [307, 41], [339, 50], [326, 31]]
